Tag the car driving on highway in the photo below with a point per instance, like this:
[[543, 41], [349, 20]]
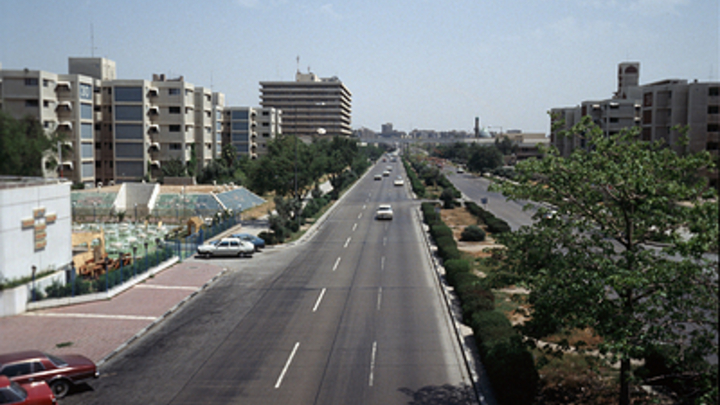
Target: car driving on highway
[[384, 212]]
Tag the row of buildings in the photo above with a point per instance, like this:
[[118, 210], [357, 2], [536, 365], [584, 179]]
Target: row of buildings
[[124, 130], [659, 109]]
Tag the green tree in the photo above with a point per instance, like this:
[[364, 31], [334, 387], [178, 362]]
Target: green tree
[[174, 168], [484, 158], [506, 146], [23, 144], [593, 263]]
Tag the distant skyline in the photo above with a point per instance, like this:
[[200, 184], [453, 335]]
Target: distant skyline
[[417, 64]]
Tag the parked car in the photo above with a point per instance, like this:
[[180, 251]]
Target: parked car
[[259, 243], [227, 247], [36, 393], [59, 372], [399, 181], [378, 177], [384, 212]]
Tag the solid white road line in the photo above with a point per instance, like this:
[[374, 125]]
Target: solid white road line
[[372, 364], [287, 365], [93, 316], [337, 263], [347, 242], [317, 303]]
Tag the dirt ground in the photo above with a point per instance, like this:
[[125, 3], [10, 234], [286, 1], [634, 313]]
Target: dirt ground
[[457, 219]]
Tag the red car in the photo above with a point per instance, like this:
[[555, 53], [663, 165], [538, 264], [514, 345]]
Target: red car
[[37, 393], [59, 372]]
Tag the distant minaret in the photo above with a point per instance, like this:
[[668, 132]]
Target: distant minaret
[[477, 127]]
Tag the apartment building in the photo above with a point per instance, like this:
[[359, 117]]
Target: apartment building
[[659, 109], [120, 130], [62, 103], [310, 105], [249, 130]]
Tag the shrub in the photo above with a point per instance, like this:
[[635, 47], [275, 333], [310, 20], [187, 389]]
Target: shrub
[[473, 233], [448, 198], [268, 237], [447, 248], [455, 267], [508, 363], [439, 229]]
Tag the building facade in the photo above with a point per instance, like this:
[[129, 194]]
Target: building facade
[[310, 105], [61, 103], [661, 110], [249, 130], [119, 130]]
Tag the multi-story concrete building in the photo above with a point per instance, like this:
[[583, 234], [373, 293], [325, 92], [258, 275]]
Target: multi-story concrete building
[[120, 130], [310, 105], [62, 103], [661, 109], [249, 130]]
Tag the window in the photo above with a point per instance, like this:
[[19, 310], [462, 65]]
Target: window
[[128, 131], [713, 109], [46, 103], [647, 100], [240, 115], [130, 169], [86, 91], [86, 111], [174, 128], [128, 94], [46, 83], [129, 150], [714, 91], [266, 113], [266, 124], [31, 103], [86, 150], [174, 110], [88, 170], [173, 92], [31, 81], [97, 145], [129, 113], [188, 92], [98, 127], [86, 131], [175, 146], [15, 370], [47, 124], [713, 127], [614, 120], [239, 126]]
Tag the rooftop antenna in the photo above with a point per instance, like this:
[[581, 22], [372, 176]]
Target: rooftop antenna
[[298, 63]]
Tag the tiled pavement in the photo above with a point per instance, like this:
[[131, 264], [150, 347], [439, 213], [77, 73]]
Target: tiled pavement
[[96, 329]]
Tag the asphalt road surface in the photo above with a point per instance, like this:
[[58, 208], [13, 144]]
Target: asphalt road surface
[[352, 316], [476, 188]]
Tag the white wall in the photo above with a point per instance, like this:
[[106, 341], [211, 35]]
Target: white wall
[[17, 245]]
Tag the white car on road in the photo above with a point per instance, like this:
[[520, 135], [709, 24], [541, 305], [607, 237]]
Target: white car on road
[[384, 212], [227, 247]]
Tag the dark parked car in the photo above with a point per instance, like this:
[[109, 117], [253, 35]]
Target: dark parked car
[[59, 372], [37, 393], [258, 242]]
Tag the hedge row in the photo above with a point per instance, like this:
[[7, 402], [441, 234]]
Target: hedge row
[[415, 183], [494, 224], [508, 363]]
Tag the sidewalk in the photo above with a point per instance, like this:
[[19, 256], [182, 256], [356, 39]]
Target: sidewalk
[[99, 329]]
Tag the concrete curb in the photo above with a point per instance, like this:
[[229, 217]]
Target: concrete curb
[[80, 299], [468, 354], [159, 319]]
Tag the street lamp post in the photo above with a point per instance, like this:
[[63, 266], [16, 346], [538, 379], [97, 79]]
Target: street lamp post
[[146, 256], [134, 248]]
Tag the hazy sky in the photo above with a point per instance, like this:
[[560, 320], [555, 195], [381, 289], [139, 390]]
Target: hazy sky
[[416, 63]]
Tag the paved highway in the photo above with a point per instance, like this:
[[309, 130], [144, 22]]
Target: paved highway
[[352, 316], [476, 188]]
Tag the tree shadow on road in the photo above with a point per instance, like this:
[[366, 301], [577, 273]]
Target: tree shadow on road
[[441, 395]]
